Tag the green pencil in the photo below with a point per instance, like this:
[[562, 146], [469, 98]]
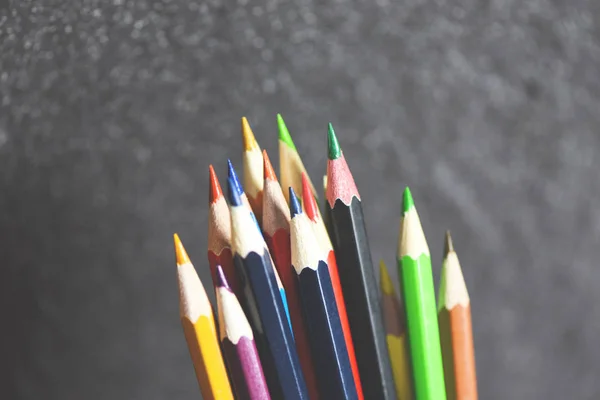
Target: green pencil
[[416, 281]]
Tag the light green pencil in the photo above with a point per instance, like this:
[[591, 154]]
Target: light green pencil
[[416, 281]]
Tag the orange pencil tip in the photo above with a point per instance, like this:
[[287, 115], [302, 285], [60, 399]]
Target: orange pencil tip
[[180, 254], [269, 173], [310, 203], [215, 191], [248, 136]]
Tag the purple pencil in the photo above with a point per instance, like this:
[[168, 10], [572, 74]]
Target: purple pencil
[[237, 340]]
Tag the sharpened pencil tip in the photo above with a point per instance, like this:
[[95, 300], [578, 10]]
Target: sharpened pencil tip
[[215, 192], [268, 171], [387, 287], [248, 136], [407, 201], [448, 245], [221, 280], [295, 207], [233, 175], [284, 134], [233, 194], [181, 255], [334, 147], [309, 201]]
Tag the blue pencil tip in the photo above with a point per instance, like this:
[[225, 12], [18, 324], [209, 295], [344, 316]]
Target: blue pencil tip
[[295, 207], [233, 195], [233, 175], [221, 280]]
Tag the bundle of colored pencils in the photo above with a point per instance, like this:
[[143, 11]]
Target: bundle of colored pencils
[[299, 313]]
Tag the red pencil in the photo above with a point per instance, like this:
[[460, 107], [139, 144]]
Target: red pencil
[[276, 230], [219, 234], [311, 209]]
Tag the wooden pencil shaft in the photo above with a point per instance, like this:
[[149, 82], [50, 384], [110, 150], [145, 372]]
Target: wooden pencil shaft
[[279, 348], [458, 354], [326, 335], [351, 246], [416, 280]]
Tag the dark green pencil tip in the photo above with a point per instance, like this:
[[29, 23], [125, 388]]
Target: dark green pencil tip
[[334, 147], [448, 246], [284, 134], [407, 201]]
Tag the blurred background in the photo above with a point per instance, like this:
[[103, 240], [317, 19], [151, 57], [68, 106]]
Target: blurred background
[[111, 111]]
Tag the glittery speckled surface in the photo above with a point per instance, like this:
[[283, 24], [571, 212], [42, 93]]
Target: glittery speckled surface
[[110, 112]]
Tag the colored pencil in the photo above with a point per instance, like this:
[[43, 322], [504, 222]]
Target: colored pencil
[[253, 169], [416, 282], [246, 203], [276, 230], [199, 329], [237, 341], [263, 304], [320, 310], [219, 233], [394, 320], [456, 334], [240, 189], [349, 237], [311, 207], [291, 166]]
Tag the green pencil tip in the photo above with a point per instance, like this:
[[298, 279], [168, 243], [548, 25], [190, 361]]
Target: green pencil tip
[[334, 147], [407, 201], [284, 134]]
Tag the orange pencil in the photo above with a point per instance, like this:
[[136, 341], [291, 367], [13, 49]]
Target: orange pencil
[[456, 335]]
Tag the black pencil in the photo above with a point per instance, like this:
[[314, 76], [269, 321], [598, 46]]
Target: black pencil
[[349, 237], [263, 304], [326, 336]]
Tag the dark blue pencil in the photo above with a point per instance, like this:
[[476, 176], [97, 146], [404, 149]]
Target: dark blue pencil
[[327, 342], [263, 304]]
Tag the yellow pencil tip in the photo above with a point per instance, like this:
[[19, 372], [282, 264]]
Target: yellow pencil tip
[[248, 136], [180, 254], [387, 287]]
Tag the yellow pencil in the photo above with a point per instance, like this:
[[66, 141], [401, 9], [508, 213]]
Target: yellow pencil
[[199, 329], [395, 331]]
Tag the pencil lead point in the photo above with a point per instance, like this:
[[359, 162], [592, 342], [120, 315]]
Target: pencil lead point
[[248, 136], [181, 255], [233, 176], [448, 245], [334, 147], [310, 204], [407, 201], [215, 192], [268, 171], [284, 134], [295, 207], [233, 193], [221, 280]]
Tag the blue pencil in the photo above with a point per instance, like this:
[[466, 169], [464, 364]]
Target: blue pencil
[[240, 189], [328, 345], [264, 305]]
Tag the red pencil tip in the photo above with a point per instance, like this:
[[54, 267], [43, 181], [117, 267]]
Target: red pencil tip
[[215, 192], [269, 173], [310, 203]]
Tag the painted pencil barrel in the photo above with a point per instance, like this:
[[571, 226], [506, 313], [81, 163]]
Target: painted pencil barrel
[[416, 281]]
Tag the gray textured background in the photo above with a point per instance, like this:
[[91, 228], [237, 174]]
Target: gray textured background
[[111, 112]]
